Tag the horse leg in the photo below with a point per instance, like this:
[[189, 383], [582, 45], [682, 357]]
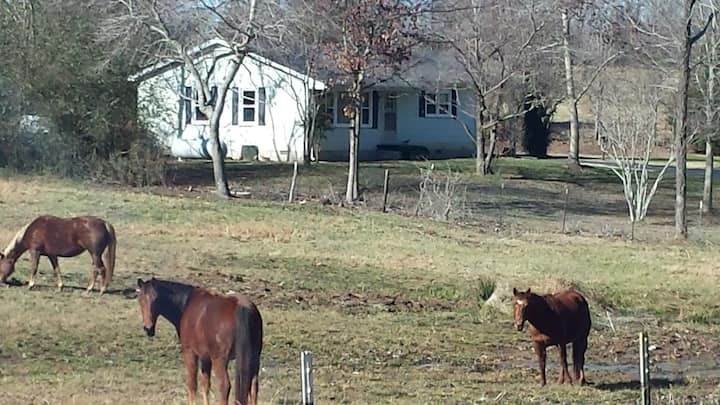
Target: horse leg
[[96, 269], [252, 398], [34, 262], [191, 367], [219, 368], [540, 351], [205, 369], [579, 348], [100, 268], [563, 365], [56, 268]]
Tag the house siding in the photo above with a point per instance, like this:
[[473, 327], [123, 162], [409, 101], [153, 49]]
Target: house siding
[[444, 137]]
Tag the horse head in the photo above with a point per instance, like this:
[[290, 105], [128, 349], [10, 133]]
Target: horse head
[[521, 303], [148, 297], [7, 266]]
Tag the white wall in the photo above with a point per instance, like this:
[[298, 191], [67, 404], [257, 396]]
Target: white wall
[[280, 139]]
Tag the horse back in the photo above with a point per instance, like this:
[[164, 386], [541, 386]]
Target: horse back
[[66, 236], [572, 307], [207, 326]]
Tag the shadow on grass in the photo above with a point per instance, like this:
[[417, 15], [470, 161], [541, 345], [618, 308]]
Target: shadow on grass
[[128, 293], [635, 385]]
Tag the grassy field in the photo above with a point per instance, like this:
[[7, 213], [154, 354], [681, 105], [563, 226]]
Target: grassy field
[[390, 305]]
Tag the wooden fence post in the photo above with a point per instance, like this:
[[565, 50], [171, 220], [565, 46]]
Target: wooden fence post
[[502, 202], [385, 189], [644, 370], [701, 214], [291, 198], [306, 377], [567, 191]]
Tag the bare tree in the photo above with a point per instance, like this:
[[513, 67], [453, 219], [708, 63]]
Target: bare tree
[[172, 31], [664, 30], [575, 10], [371, 41], [628, 136], [707, 77], [494, 61]]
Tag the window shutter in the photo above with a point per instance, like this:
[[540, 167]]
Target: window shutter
[[453, 102], [188, 104], [213, 95], [235, 105], [261, 106], [421, 112], [375, 107]]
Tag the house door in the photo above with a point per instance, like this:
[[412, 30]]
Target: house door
[[390, 110]]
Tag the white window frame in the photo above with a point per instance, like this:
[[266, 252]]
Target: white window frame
[[336, 110], [241, 108], [432, 99]]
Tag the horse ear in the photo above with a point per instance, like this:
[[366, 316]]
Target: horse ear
[[140, 282], [528, 291], [515, 291], [2, 256]]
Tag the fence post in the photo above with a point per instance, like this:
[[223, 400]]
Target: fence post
[[306, 377], [385, 189], [291, 198], [644, 370], [701, 214], [502, 203], [567, 191]]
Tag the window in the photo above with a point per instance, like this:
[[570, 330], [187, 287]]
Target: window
[[198, 115], [245, 107], [335, 104], [438, 104], [249, 106], [365, 109], [391, 112]]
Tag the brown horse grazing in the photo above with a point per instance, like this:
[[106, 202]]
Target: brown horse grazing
[[63, 237], [213, 329], [555, 319]]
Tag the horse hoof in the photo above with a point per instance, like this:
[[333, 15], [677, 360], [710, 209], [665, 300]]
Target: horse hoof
[[30, 286], [60, 287]]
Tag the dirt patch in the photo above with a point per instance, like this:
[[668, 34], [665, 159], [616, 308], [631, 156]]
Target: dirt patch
[[268, 293]]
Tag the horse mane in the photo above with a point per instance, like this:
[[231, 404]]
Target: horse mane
[[177, 293], [16, 240]]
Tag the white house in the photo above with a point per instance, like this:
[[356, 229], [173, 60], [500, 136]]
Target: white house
[[266, 103]]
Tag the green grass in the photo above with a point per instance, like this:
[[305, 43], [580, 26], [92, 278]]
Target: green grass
[[390, 305]]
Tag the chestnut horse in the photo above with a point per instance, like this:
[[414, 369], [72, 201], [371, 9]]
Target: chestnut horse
[[213, 329], [63, 237], [555, 320]]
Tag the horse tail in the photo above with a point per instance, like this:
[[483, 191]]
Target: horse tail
[[109, 255], [248, 346]]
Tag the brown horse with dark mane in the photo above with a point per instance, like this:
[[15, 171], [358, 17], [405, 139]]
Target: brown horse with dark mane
[[213, 329], [63, 237], [555, 320]]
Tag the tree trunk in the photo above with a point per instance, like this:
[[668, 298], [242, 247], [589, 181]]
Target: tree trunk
[[221, 185], [491, 151], [479, 140], [574, 153], [708, 186], [709, 155], [351, 192], [681, 130]]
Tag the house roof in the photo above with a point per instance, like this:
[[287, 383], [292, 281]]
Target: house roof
[[210, 46], [428, 69]]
